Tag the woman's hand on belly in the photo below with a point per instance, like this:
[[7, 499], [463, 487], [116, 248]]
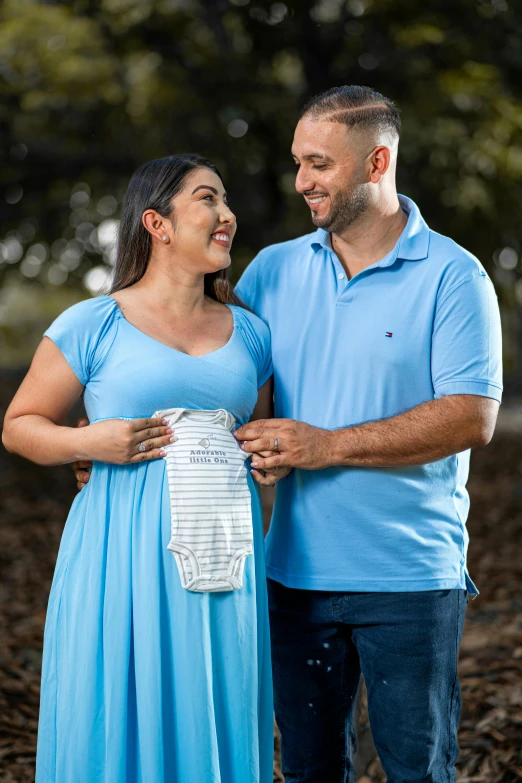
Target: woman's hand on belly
[[121, 442]]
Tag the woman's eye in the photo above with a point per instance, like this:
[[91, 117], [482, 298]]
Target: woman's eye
[[208, 195]]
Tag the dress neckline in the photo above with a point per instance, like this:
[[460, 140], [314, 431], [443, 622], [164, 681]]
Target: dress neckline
[[119, 312]]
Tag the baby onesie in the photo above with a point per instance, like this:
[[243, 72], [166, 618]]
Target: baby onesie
[[210, 502]]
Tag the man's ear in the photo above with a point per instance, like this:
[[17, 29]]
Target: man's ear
[[379, 163]]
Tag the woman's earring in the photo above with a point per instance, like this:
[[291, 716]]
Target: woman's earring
[[164, 237]]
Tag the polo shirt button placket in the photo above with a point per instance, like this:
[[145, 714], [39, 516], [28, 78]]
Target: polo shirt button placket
[[345, 298], [341, 276]]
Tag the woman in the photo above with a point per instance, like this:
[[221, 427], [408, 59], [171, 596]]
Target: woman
[[144, 679]]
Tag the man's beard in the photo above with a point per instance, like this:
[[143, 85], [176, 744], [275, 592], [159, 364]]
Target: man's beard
[[346, 207]]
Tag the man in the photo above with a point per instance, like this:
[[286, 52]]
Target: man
[[387, 370]]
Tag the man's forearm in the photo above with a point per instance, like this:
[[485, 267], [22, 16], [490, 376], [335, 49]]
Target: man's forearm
[[429, 432], [423, 434]]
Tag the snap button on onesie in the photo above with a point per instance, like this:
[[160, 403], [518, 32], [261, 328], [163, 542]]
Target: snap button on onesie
[[210, 503]]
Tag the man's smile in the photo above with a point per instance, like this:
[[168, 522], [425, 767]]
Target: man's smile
[[314, 201]]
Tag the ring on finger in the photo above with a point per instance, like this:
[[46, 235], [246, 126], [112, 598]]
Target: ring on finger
[[142, 447], [276, 444]]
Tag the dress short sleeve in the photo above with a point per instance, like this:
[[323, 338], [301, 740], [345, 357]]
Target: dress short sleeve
[[84, 333], [256, 335]]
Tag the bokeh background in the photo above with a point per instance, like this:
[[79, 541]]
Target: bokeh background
[[89, 90]]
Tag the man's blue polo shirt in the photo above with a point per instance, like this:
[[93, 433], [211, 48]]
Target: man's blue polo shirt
[[420, 324]]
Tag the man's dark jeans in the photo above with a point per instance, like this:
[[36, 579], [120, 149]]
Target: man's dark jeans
[[405, 644]]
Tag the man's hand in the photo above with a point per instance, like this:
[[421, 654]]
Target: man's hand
[[81, 467], [299, 445]]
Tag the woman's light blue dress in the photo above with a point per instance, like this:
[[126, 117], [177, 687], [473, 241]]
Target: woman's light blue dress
[[142, 680]]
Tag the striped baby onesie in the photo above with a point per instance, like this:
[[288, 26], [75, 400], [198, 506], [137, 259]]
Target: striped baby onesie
[[210, 504]]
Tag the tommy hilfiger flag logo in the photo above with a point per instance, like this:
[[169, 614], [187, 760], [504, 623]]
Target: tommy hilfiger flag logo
[[389, 334]]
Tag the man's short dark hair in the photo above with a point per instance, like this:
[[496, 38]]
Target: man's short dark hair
[[356, 107]]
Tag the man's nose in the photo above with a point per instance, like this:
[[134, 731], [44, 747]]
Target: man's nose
[[304, 181]]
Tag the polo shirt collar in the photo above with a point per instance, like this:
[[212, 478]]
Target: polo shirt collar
[[321, 239], [412, 245], [414, 242]]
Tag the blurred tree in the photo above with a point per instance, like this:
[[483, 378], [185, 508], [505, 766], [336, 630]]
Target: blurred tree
[[92, 89]]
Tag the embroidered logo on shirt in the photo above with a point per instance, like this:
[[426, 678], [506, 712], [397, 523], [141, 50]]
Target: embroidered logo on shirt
[[389, 334]]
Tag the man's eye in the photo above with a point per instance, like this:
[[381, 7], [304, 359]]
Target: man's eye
[[319, 166]]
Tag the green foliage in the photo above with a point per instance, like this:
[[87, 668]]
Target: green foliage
[[90, 90]]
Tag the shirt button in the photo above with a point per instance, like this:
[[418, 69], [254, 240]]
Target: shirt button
[[340, 276]]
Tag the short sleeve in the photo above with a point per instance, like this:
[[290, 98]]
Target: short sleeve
[[467, 342], [256, 335], [84, 333]]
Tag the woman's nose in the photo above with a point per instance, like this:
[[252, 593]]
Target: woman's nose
[[227, 216]]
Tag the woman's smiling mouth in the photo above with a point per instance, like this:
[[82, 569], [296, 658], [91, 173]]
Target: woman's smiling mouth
[[222, 238]]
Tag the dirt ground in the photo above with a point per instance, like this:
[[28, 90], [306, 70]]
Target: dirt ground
[[33, 507]]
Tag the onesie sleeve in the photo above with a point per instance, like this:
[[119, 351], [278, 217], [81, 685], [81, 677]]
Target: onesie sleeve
[[467, 343], [256, 335], [84, 334]]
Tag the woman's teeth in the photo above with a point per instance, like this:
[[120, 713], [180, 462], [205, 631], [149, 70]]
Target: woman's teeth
[[221, 237]]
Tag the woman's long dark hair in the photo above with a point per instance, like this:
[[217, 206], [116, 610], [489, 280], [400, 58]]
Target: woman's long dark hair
[[153, 186]]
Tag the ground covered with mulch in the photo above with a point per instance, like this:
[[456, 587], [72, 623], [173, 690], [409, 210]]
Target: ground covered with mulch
[[33, 505]]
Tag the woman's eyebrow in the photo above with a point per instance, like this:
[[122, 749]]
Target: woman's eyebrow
[[207, 187]]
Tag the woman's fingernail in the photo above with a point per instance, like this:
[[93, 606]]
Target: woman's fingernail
[[173, 439], [164, 421], [255, 464], [169, 431], [163, 453]]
